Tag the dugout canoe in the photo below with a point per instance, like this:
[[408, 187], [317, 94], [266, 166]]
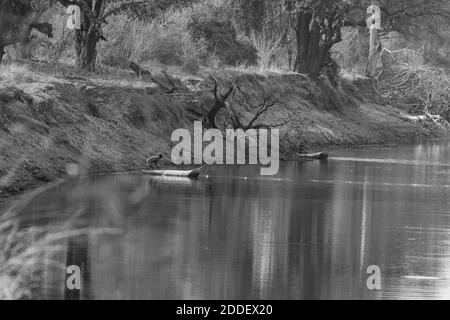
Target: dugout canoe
[[314, 156], [174, 173]]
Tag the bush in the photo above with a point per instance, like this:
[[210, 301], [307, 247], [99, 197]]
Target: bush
[[353, 51], [143, 43], [168, 48], [191, 65], [268, 47], [221, 40]]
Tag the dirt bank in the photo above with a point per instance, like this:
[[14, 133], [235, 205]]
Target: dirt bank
[[49, 122]]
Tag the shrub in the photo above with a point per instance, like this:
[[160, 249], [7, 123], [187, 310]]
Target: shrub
[[142, 42], [267, 47], [221, 40], [191, 65], [168, 48]]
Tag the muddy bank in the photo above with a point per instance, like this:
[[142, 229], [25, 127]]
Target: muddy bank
[[47, 123]]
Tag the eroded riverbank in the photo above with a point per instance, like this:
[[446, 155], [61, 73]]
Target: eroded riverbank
[[106, 126]]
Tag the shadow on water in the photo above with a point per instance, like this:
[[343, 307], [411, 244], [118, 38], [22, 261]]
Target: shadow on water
[[311, 232]]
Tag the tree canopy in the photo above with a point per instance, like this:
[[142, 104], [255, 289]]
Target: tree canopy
[[306, 29]]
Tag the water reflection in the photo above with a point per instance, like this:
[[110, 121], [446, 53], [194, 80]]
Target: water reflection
[[309, 233], [77, 254]]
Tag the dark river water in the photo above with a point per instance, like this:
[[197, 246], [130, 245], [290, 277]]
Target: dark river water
[[311, 232]]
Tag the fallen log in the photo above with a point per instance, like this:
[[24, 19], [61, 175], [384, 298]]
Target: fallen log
[[427, 116], [314, 156], [169, 87], [435, 118]]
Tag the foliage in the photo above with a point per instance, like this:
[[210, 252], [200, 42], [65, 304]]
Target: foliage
[[221, 38], [18, 18], [327, 17], [192, 33], [144, 43], [59, 46]]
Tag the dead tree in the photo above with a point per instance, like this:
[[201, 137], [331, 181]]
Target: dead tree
[[170, 86], [233, 117], [219, 103], [171, 82], [262, 109], [208, 115]]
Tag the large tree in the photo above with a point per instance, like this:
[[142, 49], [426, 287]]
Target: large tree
[[266, 23], [318, 27], [18, 18], [94, 15], [318, 24]]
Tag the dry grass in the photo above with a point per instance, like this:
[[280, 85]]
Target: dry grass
[[25, 252], [268, 47], [41, 71], [258, 70], [20, 252], [16, 73], [22, 73]]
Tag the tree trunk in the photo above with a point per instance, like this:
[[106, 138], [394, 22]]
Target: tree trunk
[[312, 51], [2, 52], [89, 35], [86, 49], [374, 54]]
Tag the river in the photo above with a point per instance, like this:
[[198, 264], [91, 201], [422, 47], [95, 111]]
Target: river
[[311, 232]]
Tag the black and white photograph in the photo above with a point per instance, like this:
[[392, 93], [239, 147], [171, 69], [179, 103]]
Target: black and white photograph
[[224, 155]]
